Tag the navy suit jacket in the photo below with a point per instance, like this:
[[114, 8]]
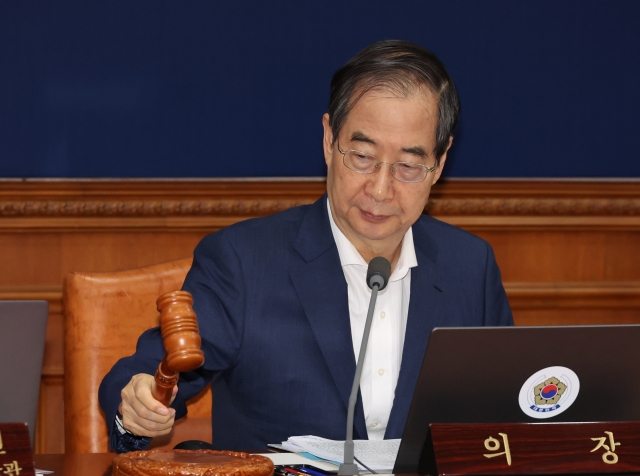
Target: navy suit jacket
[[272, 305]]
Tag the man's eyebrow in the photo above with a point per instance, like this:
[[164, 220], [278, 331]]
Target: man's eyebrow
[[362, 137], [417, 150]]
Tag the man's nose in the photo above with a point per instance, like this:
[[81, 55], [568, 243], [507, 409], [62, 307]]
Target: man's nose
[[381, 185]]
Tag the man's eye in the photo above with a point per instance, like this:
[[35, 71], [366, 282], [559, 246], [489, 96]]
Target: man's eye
[[408, 166], [363, 157]]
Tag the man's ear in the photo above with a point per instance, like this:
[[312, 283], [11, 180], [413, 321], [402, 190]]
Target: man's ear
[[438, 171], [327, 139]]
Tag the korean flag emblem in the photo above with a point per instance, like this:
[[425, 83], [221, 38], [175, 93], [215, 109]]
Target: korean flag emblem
[[549, 392]]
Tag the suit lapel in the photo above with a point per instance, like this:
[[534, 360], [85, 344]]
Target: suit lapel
[[424, 312], [322, 290]]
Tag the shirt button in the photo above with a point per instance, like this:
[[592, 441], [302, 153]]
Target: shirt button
[[383, 315], [381, 372], [374, 424]]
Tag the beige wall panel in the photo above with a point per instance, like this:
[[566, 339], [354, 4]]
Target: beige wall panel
[[118, 251], [574, 317], [50, 424], [28, 259], [585, 255], [43, 259], [53, 364]]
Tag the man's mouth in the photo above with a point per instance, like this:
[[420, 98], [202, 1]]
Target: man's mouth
[[373, 218]]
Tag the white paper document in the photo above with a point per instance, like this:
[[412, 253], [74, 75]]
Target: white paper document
[[377, 455]]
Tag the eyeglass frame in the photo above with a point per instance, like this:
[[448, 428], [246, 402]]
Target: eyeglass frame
[[377, 166]]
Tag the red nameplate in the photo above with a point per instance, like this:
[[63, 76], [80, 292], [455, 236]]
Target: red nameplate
[[536, 448], [16, 458]]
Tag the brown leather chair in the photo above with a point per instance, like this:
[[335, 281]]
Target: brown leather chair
[[105, 313]]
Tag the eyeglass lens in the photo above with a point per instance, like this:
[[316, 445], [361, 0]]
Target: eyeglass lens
[[367, 164]]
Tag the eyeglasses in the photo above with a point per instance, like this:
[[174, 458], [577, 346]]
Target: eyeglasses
[[410, 172]]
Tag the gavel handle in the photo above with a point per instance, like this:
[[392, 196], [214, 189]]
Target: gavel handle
[[165, 380]]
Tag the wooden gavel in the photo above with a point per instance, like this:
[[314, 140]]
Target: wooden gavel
[[179, 327]]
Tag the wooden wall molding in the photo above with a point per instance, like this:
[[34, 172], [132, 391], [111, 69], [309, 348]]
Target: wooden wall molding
[[535, 206], [150, 207], [52, 294], [216, 203], [147, 208], [124, 198], [522, 295], [573, 295]]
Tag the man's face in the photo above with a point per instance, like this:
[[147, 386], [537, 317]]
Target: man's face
[[374, 211]]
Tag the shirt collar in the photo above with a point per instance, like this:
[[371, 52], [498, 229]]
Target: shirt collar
[[349, 255]]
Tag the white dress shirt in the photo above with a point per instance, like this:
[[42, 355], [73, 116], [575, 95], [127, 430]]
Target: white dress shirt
[[386, 338]]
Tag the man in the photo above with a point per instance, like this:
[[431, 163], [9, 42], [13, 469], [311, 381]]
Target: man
[[281, 300]]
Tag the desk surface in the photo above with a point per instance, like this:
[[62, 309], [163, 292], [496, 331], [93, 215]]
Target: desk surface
[[89, 464], [84, 464]]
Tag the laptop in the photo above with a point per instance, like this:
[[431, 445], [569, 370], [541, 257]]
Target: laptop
[[23, 326], [521, 374]]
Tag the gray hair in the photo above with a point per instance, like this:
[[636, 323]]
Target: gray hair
[[402, 67]]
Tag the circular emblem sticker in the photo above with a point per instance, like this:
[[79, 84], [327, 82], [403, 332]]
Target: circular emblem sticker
[[549, 392]]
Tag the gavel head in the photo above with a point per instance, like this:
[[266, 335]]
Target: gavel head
[[179, 327]]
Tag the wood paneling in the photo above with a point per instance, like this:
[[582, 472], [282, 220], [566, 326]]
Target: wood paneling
[[568, 250], [573, 303]]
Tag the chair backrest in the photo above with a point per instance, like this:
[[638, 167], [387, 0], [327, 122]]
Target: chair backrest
[[105, 313]]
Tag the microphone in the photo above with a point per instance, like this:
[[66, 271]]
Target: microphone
[[377, 278], [378, 272]]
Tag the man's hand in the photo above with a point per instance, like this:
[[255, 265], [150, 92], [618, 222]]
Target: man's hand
[[142, 414]]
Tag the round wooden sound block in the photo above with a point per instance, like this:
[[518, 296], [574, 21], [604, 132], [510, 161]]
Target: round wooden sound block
[[191, 463]]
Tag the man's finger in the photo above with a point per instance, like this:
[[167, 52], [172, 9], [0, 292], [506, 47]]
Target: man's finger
[[143, 392], [136, 407], [140, 411], [144, 430], [173, 394]]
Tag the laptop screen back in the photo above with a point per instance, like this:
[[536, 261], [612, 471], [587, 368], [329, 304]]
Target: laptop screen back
[[481, 375], [23, 326]]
